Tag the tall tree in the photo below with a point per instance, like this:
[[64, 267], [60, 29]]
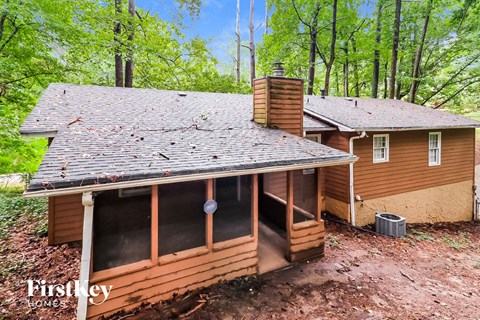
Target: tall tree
[[266, 16], [312, 32], [117, 30], [418, 55], [237, 40], [130, 50], [252, 42], [376, 53], [396, 37], [333, 40]]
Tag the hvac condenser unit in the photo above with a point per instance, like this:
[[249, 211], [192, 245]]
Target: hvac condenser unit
[[390, 224]]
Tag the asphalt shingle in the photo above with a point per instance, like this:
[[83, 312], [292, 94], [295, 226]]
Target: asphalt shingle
[[131, 134]]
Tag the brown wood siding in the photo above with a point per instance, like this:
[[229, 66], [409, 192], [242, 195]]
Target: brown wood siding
[[260, 101], [337, 177], [163, 281], [65, 219], [278, 103], [286, 105], [407, 168]]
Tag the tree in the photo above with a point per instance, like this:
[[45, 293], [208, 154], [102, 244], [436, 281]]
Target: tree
[[376, 52], [117, 30], [129, 58], [251, 28], [238, 44], [396, 36]]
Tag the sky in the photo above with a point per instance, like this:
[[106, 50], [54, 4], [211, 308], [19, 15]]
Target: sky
[[215, 23]]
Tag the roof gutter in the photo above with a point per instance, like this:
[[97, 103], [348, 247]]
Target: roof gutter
[[185, 178], [340, 126], [350, 167], [415, 128]]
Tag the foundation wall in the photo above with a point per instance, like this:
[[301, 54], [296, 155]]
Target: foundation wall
[[447, 203]]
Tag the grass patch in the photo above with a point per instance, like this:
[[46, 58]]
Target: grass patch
[[458, 243], [13, 205], [419, 235]]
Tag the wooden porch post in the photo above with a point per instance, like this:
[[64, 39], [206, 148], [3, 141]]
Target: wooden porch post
[[154, 227], [255, 206], [85, 264], [209, 217], [318, 207], [289, 206]]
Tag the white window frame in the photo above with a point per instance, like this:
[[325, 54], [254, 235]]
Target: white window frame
[[387, 148], [439, 147]]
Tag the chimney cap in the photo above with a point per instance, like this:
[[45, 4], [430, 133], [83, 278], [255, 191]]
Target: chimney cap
[[278, 70]]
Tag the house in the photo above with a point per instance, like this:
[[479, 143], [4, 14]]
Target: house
[[172, 191], [413, 161]]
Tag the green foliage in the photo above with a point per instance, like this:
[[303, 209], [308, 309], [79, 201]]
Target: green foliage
[[13, 205], [450, 66], [421, 235]]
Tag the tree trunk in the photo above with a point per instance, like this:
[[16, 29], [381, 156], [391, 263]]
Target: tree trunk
[[266, 16], [376, 53], [345, 73], [332, 47], [396, 38], [252, 43], [129, 61], [117, 30], [237, 39], [311, 61], [418, 56], [385, 82], [355, 68]]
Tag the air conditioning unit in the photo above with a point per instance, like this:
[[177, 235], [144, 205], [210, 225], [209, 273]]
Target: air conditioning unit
[[390, 224]]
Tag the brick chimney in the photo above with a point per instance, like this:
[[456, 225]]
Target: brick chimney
[[278, 102]]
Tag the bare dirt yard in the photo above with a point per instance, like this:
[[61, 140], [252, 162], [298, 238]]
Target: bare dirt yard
[[434, 273]]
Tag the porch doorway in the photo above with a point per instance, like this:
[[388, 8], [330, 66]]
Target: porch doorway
[[272, 246]]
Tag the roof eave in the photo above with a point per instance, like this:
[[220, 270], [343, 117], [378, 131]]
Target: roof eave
[[185, 178], [38, 134], [414, 128]]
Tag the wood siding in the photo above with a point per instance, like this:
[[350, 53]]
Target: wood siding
[[407, 168], [65, 219], [337, 177], [278, 103], [164, 280]]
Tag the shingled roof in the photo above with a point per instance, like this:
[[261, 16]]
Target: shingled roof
[[111, 135], [367, 114]]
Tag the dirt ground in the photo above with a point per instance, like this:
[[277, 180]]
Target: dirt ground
[[434, 273]]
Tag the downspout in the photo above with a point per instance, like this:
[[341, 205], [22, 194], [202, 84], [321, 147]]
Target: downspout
[[352, 195], [87, 201]]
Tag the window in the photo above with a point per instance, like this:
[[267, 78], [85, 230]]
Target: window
[[121, 228], [434, 148], [380, 148]]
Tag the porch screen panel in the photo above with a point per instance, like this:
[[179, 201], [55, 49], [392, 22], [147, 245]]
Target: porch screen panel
[[181, 219], [233, 218], [121, 227], [304, 195]]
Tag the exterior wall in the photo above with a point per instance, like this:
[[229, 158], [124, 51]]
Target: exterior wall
[[337, 178], [384, 186], [65, 219], [407, 169], [446, 203], [175, 275]]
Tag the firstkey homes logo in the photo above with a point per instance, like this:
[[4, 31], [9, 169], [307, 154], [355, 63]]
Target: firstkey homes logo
[[38, 289]]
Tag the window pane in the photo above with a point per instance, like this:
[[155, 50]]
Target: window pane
[[181, 219], [121, 229], [233, 217]]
